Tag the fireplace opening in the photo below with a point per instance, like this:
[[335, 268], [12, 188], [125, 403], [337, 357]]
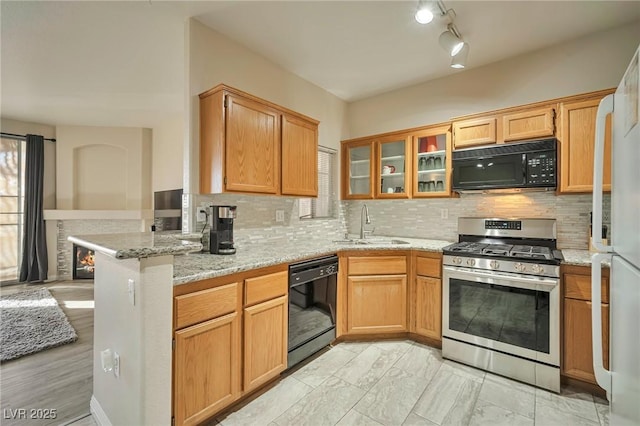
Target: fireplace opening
[[83, 263]]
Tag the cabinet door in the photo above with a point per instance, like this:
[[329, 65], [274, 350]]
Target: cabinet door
[[577, 354], [528, 124], [299, 157], [377, 304], [265, 342], [357, 170], [252, 146], [393, 168], [577, 142], [207, 369], [429, 307], [431, 166], [480, 131]]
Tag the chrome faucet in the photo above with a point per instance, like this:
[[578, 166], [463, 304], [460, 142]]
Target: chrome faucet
[[364, 219]]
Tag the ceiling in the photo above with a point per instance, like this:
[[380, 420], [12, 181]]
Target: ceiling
[[119, 63]]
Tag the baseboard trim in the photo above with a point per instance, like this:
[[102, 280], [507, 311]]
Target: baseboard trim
[[98, 413]]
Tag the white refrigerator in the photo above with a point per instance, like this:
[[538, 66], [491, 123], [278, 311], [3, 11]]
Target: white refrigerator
[[622, 379]]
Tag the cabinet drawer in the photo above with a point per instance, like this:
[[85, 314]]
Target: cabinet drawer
[[428, 266], [206, 304], [379, 265], [579, 287], [266, 287]]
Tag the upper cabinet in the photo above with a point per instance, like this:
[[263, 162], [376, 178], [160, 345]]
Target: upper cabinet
[[409, 164], [577, 142], [504, 126], [249, 145]]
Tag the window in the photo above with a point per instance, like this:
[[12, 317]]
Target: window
[[12, 158], [324, 205]]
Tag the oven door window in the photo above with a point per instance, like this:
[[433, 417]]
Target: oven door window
[[504, 314], [497, 172], [311, 310]]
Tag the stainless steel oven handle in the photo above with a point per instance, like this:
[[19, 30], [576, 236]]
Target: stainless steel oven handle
[[495, 277]]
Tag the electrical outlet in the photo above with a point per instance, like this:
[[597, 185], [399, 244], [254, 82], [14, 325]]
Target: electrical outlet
[[279, 215], [202, 214], [444, 213], [131, 288], [116, 364]]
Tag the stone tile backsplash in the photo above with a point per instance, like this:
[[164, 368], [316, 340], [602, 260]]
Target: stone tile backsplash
[[256, 215], [423, 218]]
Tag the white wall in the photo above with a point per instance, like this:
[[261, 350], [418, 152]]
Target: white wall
[[49, 132], [587, 64], [119, 173], [213, 59], [168, 153]]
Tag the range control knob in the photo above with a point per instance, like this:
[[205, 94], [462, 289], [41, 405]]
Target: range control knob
[[520, 267], [494, 264], [471, 262], [537, 269], [457, 260]]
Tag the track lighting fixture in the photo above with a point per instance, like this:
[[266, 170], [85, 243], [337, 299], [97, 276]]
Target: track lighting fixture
[[450, 41], [424, 14], [459, 60]]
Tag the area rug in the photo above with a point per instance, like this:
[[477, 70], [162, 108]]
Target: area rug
[[32, 321]]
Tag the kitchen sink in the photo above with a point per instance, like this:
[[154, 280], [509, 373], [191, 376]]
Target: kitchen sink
[[372, 241]]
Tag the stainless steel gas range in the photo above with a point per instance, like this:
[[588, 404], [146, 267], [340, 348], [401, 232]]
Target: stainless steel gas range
[[501, 299]]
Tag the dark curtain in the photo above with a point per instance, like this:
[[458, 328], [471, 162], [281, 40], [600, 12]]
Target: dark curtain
[[34, 264]]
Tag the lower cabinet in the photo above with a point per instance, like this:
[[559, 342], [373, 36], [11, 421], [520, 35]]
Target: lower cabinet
[[376, 294], [207, 374], [577, 357], [265, 342], [229, 339], [426, 309]]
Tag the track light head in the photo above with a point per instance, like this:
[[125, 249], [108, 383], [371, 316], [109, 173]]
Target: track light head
[[460, 59], [424, 14], [450, 42]]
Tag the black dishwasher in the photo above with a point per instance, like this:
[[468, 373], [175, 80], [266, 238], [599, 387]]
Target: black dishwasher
[[312, 307]]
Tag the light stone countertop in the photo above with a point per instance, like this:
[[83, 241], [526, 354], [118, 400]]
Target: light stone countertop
[[579, 258], [200, 266], [137, 244]]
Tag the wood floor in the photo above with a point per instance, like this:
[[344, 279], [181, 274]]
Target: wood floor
[[59, 379]]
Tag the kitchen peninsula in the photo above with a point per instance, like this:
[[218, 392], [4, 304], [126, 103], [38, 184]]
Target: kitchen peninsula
[[135, 278]]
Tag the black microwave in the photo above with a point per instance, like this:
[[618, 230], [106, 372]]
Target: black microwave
[[524, 165]]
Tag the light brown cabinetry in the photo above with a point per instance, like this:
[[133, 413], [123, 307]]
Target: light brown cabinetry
[[265, 329], [207, 354], [229, 339], [426, 309], [414, 163], [577, 357], [251, 145], [577, 143], [504, 126], [376, 294]]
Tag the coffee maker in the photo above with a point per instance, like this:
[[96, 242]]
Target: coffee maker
[[221, 233]]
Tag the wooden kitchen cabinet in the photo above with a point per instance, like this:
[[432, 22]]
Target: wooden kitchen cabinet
[[357, 169], [577, 357], [508, 125], [577, 143], [265, 328], [478, 131], [393, 167], [249, 145], [207, 352], [376, 294], [431, 171], [426, 309]]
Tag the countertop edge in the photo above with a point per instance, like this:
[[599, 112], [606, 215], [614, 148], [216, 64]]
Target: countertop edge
[[181, 247]]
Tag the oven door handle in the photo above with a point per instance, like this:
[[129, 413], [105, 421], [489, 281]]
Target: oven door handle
[[534, 283]]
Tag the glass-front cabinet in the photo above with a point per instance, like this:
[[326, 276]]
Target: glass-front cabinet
[[393, 167], [432, 162], [357, 170]]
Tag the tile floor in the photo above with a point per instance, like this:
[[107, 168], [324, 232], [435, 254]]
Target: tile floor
[[406, 383]]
